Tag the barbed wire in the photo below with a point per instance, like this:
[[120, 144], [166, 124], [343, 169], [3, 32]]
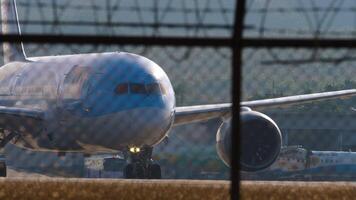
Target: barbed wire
[[194, 16], [152, 18], [203, 18]]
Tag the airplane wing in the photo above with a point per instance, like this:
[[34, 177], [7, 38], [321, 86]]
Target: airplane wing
[[191, 114], [297, 99], [17, 119]]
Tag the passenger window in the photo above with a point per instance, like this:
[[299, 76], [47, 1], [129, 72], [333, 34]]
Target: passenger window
[[122, 88], [153, 88], [138, 88]]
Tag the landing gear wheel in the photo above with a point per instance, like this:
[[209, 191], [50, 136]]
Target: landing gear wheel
[[141, 164], [140, 172], [2, 169], [132, 171], [129, 171], [154, 171]]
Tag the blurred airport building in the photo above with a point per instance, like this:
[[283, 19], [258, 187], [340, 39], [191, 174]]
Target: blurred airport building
[[318, 131], [298, 163]]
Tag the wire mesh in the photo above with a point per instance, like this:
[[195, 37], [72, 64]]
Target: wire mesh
[[199, 75], [317, 138], [317, 134]]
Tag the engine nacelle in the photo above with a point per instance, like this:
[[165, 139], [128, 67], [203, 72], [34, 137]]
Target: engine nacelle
[[260, 142]]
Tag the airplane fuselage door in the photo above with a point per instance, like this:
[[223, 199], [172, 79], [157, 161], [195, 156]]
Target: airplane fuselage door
[[73, 90], [74, 86]]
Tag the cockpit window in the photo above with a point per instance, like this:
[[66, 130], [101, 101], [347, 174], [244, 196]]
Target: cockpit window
[[138, 88], [122, 88], [153, 88]]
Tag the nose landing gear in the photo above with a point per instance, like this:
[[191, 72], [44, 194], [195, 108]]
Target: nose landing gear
[[141, 165]]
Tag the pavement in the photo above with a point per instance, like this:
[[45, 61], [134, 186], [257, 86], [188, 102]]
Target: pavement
[[21, 173]]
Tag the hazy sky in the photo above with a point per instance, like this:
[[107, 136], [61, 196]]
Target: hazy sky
[[306, 15], [183, 12], [285, 18]]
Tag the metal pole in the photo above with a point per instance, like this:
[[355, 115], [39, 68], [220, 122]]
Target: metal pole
[[236, 69]]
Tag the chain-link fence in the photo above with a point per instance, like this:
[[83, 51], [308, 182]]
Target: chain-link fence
[[303, 47], [83, 112], [100, 113]]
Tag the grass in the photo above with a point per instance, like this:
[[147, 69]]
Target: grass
[[297, 190], [61, 188]]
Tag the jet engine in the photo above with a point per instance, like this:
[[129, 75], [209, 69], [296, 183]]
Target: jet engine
[[260, 141]]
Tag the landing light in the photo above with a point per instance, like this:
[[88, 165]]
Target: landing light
[[134, 149]]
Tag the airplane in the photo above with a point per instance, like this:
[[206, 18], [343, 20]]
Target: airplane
[[117, 102], [298, 163]]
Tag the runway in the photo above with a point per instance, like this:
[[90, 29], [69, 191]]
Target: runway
[[12, 173]]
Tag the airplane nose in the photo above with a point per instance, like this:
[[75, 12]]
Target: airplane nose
[[148, 125]]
